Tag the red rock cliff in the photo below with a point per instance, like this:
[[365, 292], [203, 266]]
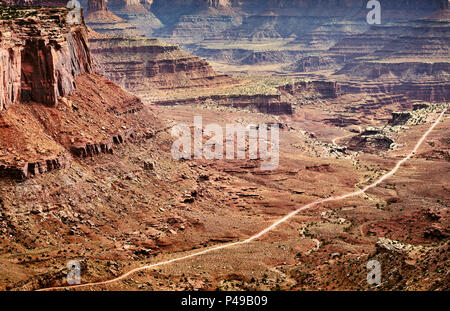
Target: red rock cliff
[[97, 5], [41, 57]]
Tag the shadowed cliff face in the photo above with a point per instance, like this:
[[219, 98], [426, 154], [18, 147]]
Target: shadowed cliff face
[[59, 65], [41, 57]]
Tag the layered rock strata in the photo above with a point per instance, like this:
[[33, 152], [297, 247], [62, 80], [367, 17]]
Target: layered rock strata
[[53, 105], [271, 104], [424, 91], [398, 56], [140, 64], [136, 13], [99, 18], [328, 89], [39, 63]]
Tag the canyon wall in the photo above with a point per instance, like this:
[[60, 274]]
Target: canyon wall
[[428, 92], [97, 5], [311, 27], [406, 58], [141, 64], [10, 63], [53, 106], [39, 63]]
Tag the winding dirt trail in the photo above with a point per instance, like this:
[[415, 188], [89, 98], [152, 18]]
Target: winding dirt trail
[[334, 141], [270, 228]]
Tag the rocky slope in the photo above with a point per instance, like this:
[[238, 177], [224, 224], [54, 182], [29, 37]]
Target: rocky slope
[[53, 105]]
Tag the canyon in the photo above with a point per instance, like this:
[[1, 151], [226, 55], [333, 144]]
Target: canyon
[[86, 171], [298, 38]]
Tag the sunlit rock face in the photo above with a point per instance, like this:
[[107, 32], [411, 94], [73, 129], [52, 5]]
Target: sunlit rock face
[[41, 57], [97, 5]]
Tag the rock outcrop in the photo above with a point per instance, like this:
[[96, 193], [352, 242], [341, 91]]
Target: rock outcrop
[[328, 89], [400, 118], [371, 141], [141, 64], [39, 63], [99, 18], [314, 63], [136, 13], [270, 104], [106, 146], [392, 246], [96, 5], [53, 105], [25, 170]]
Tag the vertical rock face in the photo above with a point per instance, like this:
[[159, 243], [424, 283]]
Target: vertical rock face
[[49, 69], [40, 60], [9, 75], [96, 5]]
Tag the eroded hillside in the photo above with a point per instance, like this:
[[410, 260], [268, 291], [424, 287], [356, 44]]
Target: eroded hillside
[[87, 174]]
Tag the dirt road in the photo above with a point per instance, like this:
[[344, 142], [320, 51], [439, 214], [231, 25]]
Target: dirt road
[[266, 230]]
